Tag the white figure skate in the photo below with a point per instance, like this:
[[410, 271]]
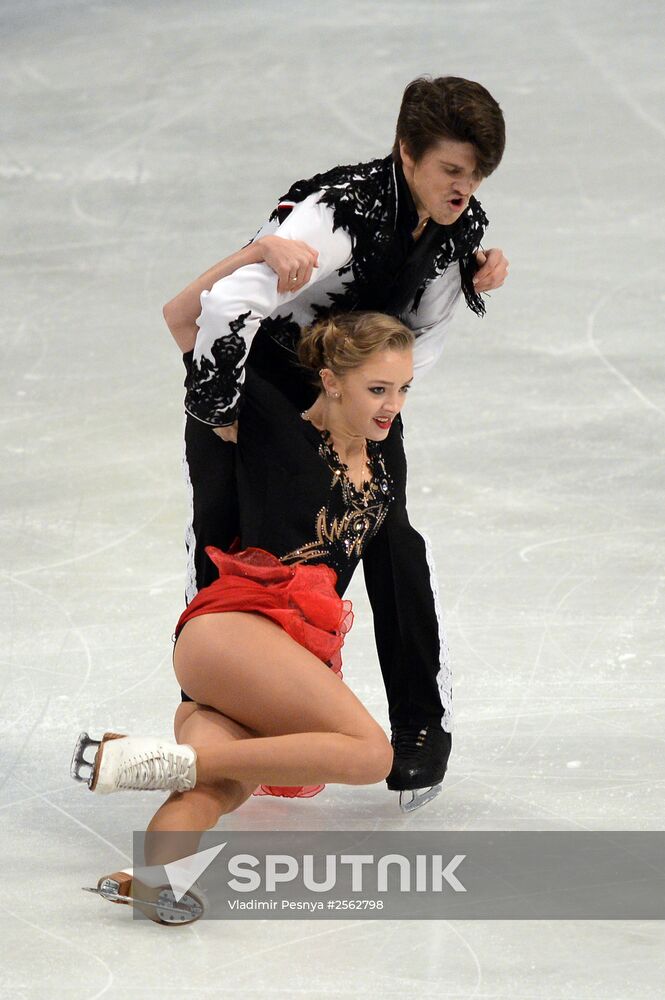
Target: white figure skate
[[134, 763], [148, 891]]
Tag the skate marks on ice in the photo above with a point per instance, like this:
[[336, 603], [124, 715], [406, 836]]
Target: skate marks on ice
[[595, 607], [650, 281], [554, 685], [65, 945], [537, 640], [620, 88]]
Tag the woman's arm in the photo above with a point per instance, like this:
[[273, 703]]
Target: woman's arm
[[289, 259]]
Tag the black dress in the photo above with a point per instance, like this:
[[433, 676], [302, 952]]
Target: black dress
[[298, 508], [296, 500], [304, 528]]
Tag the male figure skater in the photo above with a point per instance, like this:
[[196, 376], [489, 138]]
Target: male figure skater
[[400, 235]]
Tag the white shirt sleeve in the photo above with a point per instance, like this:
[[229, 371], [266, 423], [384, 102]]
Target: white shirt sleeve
[[235, 306], [434, 313]]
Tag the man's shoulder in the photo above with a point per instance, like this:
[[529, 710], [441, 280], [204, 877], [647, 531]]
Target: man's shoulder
[[344, 183], [345, 174]]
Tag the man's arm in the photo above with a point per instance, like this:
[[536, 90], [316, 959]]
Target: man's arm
[[233, 309], [430, 321], [403, 594], [289, 259], [439, 302]]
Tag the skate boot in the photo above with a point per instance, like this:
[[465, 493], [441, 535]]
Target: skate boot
[[421, 759], [149, 891], [134, 763]]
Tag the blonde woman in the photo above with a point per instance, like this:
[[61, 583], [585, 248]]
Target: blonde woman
[[257, 651]]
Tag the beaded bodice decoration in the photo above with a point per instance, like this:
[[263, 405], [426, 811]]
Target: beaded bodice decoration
[[352, 516]]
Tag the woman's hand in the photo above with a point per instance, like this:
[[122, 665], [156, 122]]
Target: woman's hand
[[291, 260], [228, 433]]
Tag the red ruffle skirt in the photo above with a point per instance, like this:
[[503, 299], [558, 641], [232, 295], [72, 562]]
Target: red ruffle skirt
[[301, 598]]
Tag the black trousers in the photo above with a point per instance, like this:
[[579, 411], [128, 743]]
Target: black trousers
[[397, 565]]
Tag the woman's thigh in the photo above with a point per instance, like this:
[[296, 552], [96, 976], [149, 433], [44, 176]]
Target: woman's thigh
[[246, 667], [213, 724]]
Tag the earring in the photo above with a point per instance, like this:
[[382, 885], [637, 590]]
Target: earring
[[337, 395]]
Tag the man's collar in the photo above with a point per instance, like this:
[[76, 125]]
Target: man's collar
[[407, 214]]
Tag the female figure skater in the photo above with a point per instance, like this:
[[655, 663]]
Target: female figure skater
[[257, 650]]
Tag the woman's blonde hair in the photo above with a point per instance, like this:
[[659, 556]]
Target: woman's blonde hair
[[344, 342]]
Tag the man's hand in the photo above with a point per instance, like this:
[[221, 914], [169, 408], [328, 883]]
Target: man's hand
[[493, 270], [229, 433], [291, 260]]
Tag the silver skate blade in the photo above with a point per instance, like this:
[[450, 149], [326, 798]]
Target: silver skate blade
[[165, 907], [105, 893], [419, 797], [79, 761]]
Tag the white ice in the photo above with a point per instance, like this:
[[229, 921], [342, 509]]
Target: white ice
[[142, 142]]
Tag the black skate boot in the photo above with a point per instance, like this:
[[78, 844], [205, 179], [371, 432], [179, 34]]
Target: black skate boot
[[421, 759]]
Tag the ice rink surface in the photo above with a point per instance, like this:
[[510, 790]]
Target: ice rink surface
[[142, 142]]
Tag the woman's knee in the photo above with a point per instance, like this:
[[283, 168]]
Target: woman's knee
[[373, 760]]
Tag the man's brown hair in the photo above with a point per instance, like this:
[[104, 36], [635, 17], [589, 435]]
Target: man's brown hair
[[450, 107]]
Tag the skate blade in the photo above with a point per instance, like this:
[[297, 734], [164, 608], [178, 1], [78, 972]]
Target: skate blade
[[419, 797], [79, 761], [116, 888], [158, 903]]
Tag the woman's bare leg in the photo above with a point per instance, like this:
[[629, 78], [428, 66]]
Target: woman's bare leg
[[312, 728], [268, 712]]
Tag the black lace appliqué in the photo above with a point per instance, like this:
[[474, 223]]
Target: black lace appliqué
[[212, 386], [238, 324], [363, 199], [467, 235], [284, 330]]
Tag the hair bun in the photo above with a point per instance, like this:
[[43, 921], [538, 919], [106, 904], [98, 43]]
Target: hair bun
[[345, 341]]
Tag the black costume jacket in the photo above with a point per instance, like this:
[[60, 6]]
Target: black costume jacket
[[360, 219]]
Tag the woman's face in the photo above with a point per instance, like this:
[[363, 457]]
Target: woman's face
[[373, 394]]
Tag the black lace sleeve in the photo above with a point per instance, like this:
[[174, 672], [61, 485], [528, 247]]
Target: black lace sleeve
[[214, 386]]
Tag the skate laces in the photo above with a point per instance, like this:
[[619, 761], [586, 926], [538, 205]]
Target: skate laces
[[149, 771], [407, 741]]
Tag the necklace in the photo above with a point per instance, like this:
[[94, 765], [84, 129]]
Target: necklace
[[340, 468]]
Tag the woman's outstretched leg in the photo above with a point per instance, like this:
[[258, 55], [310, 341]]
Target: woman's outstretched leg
[[310, 728]]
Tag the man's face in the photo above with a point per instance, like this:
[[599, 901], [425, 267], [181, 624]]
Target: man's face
[[443, 180]]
